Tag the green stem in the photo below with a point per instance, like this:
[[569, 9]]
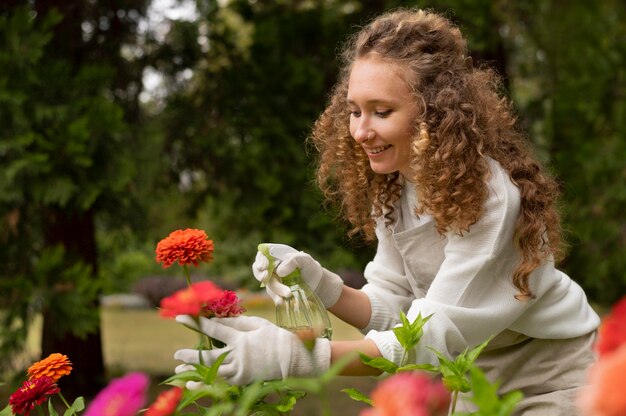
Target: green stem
[[187, 276], [455, 396], [63, 399], [40, 410], [325, 405], [405, 356]]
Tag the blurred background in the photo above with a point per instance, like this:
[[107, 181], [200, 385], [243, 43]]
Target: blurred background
[[123, 120]]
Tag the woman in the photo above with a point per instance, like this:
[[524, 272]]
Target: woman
[[421, 153]]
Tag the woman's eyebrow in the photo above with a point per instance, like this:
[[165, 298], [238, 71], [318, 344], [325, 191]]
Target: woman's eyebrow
[[374, 101]]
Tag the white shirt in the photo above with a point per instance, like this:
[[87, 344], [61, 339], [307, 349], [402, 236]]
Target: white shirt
[[465, 281]]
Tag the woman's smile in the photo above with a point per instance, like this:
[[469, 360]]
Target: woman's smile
[[376, 150], [382, 114]]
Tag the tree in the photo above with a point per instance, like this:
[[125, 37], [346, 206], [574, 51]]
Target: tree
[[570, 84], [68, 97], [240, 106]]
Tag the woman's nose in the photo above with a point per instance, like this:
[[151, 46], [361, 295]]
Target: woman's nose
[[362, 131]]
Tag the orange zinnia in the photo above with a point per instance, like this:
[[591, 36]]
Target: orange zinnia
[[604, 394], [55, 366], [409, 394], [185, 247]]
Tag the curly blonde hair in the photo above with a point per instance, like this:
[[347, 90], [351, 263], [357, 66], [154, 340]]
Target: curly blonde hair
[[463, 119]]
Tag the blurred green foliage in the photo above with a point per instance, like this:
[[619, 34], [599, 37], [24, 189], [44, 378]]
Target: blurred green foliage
[[92, 177]]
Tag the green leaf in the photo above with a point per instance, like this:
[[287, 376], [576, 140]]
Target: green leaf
[[357, 395], [409, 333], [216, 391], [509, 401], [6, 411], [380, 363], [51, 410], [413, 367], [287, 403], [476, 351], [212, 373], [180, 378], [250, 395], [77, 406], [454, 372], [485, 396]]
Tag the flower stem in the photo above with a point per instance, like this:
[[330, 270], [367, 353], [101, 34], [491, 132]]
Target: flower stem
[[40, 410], [455, 396], [405, 357], [63, 399], [187, 276], [325, 403]]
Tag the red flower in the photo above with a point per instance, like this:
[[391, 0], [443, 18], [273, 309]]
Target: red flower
[[409, 394], [32, 393], [55, 366], [207, 291], [182, 302], [226, 305], [166, 402], [612, 332], [604, 395], [185, 247], [190, 301]]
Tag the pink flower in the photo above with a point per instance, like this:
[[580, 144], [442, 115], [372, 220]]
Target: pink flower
[[604, 396], [190, 301], [409, 394], [612, 332], [225, 306], [123, 396]]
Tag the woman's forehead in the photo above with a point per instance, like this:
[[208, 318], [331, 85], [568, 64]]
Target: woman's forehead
[[375, 79]]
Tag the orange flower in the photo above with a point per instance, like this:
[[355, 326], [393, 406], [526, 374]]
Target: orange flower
[[604, 396], [612, 332], [165, 403], [55, 366], [185, 247], [409, 394]]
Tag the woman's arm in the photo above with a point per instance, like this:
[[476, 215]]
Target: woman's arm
[[355, 367], [353, 307]]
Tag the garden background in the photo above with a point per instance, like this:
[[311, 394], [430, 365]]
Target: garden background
[[123, 120]]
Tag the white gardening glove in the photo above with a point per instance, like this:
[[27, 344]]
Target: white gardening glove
[[326, 284], [257, 350]]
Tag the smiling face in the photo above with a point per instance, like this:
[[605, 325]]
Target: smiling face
[[382, 114]]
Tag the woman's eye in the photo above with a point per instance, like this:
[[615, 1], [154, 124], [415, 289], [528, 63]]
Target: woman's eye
[[355, 113], [383, 113]]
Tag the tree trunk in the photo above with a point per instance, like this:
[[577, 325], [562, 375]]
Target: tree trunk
[[76, 233]]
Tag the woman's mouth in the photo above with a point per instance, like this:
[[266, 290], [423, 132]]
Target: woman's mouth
[[376, 150]]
